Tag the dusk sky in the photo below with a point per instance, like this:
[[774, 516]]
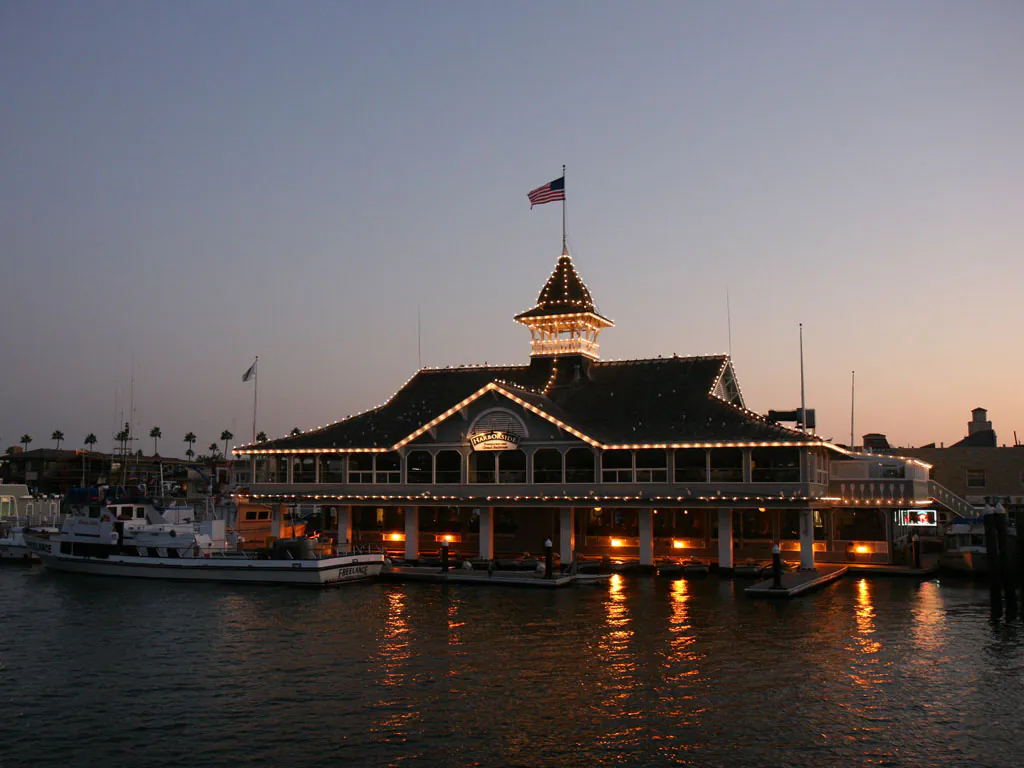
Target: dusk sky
[[186, 185]]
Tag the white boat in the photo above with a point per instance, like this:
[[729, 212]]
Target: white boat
[[136, 539], [19, 508], [964, 549]]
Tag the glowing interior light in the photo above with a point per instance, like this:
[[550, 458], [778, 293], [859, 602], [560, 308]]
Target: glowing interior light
[[678, 544], [396, 537], [617, 543], [860, 549]]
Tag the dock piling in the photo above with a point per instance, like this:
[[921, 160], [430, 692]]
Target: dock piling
[[444, 556], [548, 558], [995, 587], [776, 567]]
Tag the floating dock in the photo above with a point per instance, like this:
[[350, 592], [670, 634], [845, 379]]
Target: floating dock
[[405, 573], [797, 582]]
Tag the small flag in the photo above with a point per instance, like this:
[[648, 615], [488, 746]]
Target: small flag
[[548, 193], [250, 373]]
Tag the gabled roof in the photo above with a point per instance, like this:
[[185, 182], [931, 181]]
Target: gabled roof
[[563, 294], [664, 401]]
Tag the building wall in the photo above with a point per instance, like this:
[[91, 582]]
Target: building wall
[[990, 471]]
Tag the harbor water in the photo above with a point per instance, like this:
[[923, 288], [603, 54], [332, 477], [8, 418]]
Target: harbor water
[[647, 671]]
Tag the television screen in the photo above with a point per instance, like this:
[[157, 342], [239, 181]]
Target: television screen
[[917, 517]]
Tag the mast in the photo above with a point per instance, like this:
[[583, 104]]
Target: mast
[[803, 402], [853, 384]]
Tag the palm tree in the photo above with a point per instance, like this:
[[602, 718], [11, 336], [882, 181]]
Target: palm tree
[[225, 436], [190, 438], [58, 436], [90, 440], [156, 434], [190, 453], [25, 440], [295, 431], [261, 437], [214, 450]]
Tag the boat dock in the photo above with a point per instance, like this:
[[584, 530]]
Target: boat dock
[[797, 582], [408, 573]]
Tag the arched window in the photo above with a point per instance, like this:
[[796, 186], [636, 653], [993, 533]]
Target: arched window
[[305, 470], [547, 465], [579, 466], [419, 467], [448, 468], [483, 467], [511, 466]]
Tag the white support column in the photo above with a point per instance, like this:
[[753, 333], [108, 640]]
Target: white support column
[[806, 540], [276, 510], [316, 467], [412, 532], [486, 533], [290, 469], [567, 534], [646, 526], [725, 539], [344, 528]]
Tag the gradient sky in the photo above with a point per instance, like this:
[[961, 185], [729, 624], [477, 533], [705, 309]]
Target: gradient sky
[[186, 185]]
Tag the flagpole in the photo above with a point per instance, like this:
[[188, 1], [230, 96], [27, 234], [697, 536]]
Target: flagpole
[[255, 398], [564, 249]]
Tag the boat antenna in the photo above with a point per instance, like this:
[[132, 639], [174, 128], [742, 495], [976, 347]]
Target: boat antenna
[[419, 339], [564, 247]]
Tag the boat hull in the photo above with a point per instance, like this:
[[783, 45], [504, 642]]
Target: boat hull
[[242, 570]]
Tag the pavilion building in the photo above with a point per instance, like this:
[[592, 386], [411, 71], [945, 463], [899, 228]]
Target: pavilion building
[[644, 458]]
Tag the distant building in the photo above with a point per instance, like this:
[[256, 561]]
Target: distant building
[[976, 468]]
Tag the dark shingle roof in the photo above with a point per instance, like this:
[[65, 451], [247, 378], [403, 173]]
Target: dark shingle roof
[[563, 294], [667, 400]]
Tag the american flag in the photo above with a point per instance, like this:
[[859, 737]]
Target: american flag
[[548, 193]]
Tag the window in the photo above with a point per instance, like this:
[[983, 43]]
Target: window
[[419, 467], [250, 515], [617, 467], [691, 465], [305, 470], [483, 466], [775, 465], [388, 468], [360, 468], [651, 466], [727, 465], [547, 465], [892, 471], [448, 467], [579, 466], [511, 466], [332, 470], [975, 478]]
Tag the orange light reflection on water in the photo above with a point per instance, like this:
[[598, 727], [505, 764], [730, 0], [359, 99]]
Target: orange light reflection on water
[[614, 647], [394, 642]]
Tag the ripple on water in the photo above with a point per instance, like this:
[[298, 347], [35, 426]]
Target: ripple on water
[[884, 672]]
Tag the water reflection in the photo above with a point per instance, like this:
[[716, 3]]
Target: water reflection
[[929, 620], [394, 641], [864, 614]]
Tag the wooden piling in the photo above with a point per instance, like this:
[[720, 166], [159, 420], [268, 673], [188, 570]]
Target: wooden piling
[[1006, 574], [995, 587]]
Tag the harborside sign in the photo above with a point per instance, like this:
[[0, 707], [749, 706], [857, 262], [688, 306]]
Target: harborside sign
[[494, 440]]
